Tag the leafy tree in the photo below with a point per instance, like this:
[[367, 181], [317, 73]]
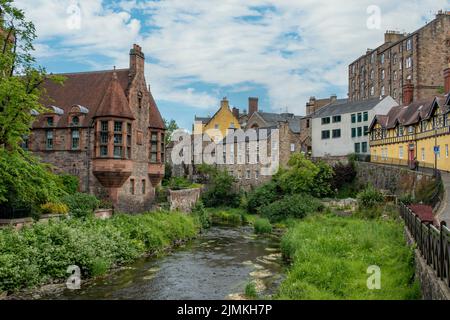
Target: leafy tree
[[220, 189], [22, 177], [171, 126]]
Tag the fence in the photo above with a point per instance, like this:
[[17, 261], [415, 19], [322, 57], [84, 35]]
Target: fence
[[422, 166], [432, 242], [13, 213]]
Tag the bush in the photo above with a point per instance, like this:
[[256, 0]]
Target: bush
[[70, 183], [54, 208], [202, 215], [344, 175], [370, 197], [262, 226], [41, 253], [229, 216], [221, 191], [250, 290], [178, 183], [81, 205], [262, 196], [294, 206]]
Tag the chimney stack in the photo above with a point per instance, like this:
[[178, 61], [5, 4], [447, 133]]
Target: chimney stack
[[236, 113], [447, 79], [137, 60], [408, 93], [224, 103], [252, 106], [333, 98]]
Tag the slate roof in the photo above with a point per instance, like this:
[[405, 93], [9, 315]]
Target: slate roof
[[272, 120], [343, 106], [412, 113], [203, 120]]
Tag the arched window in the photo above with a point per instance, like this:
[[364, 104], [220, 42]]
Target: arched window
[[75, 121]]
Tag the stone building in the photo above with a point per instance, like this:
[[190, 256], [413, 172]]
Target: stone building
[[105, 128], [414, 60]]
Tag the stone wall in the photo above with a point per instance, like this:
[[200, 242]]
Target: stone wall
[[183, 200], [432, 287], [398, 180]]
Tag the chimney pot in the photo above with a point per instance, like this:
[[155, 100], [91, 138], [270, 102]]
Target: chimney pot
[[252, 106], [236, 113]]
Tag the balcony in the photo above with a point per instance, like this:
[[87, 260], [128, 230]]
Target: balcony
[[156, 173]]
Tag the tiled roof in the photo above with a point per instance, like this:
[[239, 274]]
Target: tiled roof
[[272, 120], [203, 120], [343, 106]]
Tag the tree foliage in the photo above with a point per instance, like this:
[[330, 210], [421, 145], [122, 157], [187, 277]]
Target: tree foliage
[[22, 177], [171, 126]]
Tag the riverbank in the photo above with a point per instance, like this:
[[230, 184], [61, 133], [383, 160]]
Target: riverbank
[[40, 255], [331, 256]]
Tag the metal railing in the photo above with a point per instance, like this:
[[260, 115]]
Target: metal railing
[[416, 165], [432, 242], [14, 213]]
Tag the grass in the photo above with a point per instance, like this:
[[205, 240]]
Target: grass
[[42, 253], [250, 291], [229, 215], [330, 256], [262, 226]]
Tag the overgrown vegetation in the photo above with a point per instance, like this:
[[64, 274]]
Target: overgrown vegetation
[[220, 190], [81, 205], [202, 215], [293, 206], [262, 226], [42, 253], [330, 256], [370, 198], [250, 291]]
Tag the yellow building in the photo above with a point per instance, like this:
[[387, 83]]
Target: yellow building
[[219, 123], [418, 133]]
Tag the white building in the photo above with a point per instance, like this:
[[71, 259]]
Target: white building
[[341, 127]]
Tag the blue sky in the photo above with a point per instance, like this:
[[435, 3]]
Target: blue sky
[[198, 51]]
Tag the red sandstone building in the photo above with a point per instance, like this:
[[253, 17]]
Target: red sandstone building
[[105, 128]]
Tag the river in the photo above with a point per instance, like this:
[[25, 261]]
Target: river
[[217, 265]]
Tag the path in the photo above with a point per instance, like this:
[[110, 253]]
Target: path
[[444, 212]]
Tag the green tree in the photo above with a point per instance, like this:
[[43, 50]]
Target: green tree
[[22, 177], [171, 126], [300, 175]]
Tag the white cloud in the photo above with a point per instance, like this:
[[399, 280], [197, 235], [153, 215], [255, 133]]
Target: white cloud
[[294, 49]]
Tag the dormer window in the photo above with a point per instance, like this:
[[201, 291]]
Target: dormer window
[[50, 121], [75, 121]]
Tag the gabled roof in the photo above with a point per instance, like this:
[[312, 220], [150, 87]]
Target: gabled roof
[[380, 119], [156, 121], [343, 106], [272, 120], [203, 120]]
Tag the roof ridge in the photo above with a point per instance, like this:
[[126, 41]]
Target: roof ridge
[[91, 72]]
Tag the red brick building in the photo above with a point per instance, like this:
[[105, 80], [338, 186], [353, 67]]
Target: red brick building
[[105, 128]]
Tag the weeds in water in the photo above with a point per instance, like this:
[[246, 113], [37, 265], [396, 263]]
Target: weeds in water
[[262, 226]]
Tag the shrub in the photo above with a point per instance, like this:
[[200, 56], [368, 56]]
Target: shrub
[[70, 183], [262, 226], [250, 290], [370, 197], [344, 175], [262, 196], [202, 215], [229, 216], [54, 208], [221, 191], [178, 183], [105, 204], [294, 206], [81, 205], [406, 199]]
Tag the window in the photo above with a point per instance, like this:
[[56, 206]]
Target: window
[[132, 186], [400, 131], [216, 126], [129, 140], [326, 120], [382, 58], [365, 116], [383, 74], [307, 123], [383, 91], [400, 152], [357, 148], [395, 93], [232, 125], [353, 132], [446, 150], [422, 151], [372, 91], [336, 133], [118, 139], [104, 139], [364, 147], [50, 122], [143, 186], [410, 129], [359, 117], [248, 175], [360, 132], [154, 147], [353, 118], [292, 147], [118, 127], [395, 59], [75, 121], [408, 62], [75, 139], [49, 140], [325, 134], [366, 130], [423, 126], [395, 75], [409, 45], [256, 174], [337, 119], [372, 75]]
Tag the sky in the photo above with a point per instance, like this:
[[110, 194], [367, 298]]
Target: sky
[[199, 51]]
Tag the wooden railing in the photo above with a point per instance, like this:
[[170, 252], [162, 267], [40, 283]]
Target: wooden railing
[[432, 242], [411, 137]]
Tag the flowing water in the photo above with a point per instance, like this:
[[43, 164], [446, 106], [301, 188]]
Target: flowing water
[[217, 265]]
